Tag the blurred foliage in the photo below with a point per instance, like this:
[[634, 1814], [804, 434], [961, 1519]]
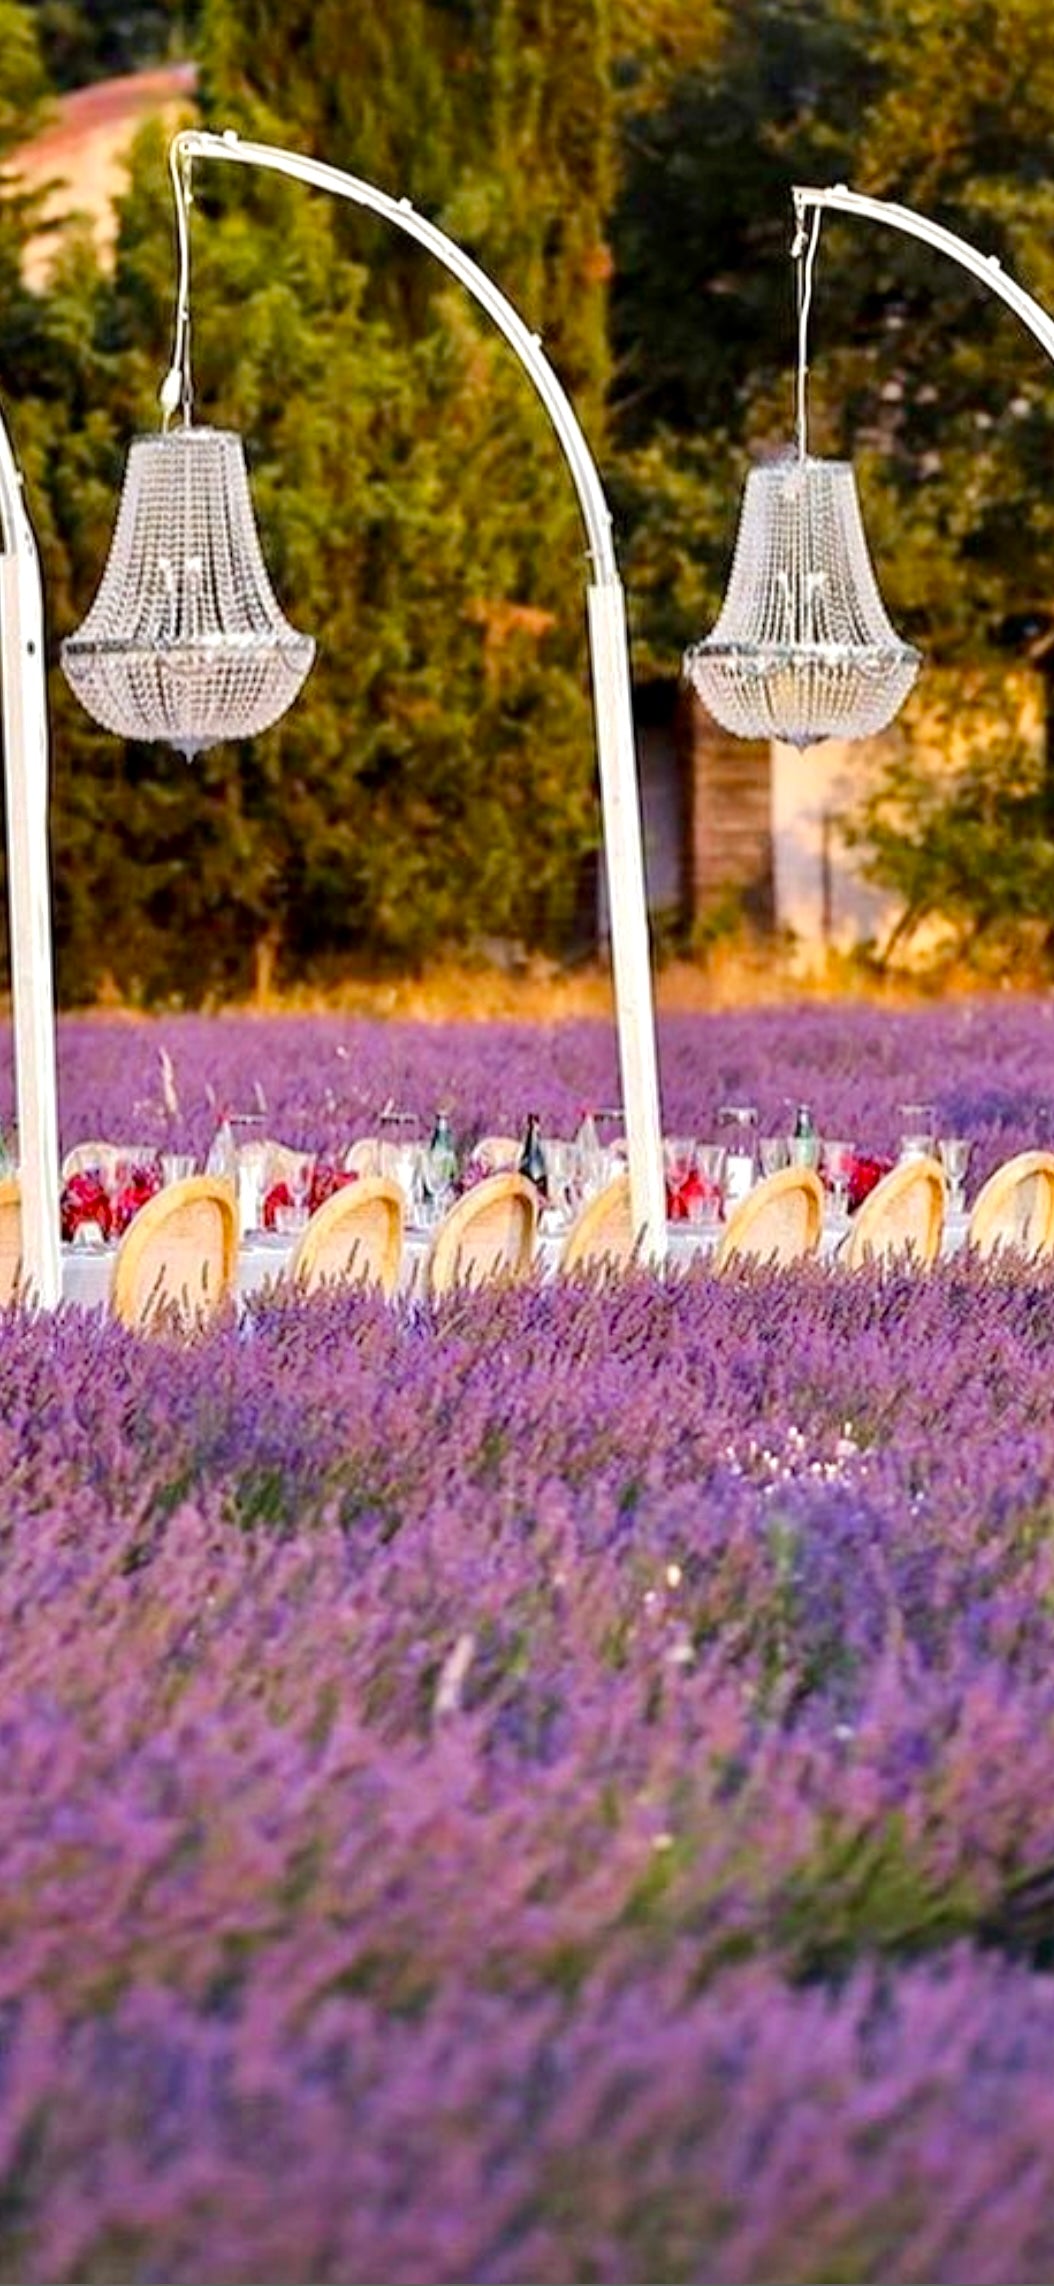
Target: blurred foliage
[[85, 40], [967, 846], [622, 168], [918, 371]]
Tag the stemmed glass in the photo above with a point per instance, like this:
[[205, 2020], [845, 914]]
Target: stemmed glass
[[250, 1166], [437, 1188], [397, 1132], [401, 1162], [563, 1168], [285, 1185], [678, 1152], [955, 1158], [710, 1163], [918, 1128], [837, 1162], [177, 1165], [774, 1152]]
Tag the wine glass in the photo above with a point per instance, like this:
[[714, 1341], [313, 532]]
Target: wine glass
[[397, 1132], [918, 1129], [955, 1158], [710, 1161], [437, 1182], [678, 1152], [401, 1163], [774, 1152], [562, 1167], [837, 1163], [177, 1166]]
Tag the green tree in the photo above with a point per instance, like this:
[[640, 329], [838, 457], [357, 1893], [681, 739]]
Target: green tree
[[85, 40], [966, 846], [434, 783], [917, 371], [494, 116]]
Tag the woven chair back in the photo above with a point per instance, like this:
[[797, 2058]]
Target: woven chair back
[[902, 1216], [488, 1234], [602, 1237], [283, 1163], [1014, 1209], [86, 1158], [10, 1238], [499, 1154], [355, 1238], [177, 1260], [779, 1221], [363, 1157]]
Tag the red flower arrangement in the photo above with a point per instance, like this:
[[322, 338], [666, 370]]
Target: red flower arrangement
[[325, 1180], [139, 1185], [681, 1204], [867, 1169], [85, 1200], [279, 1195]]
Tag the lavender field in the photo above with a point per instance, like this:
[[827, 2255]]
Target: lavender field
[[556, 1787]]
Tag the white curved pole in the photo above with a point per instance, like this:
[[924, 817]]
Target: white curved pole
[[24, 716], [987, 267], [608, 643]]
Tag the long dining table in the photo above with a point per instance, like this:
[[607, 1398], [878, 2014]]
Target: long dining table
[[264, 1257]]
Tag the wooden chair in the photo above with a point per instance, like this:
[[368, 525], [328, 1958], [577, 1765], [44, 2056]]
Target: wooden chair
[[85, 1158], [904, 1212], [283, 1164], [179, 1256], [499, 1154], [488, 1234], [1014, 1209], [780, 1220], [355, 1238], [10, 1238], [602, 1237], [363, 1157]]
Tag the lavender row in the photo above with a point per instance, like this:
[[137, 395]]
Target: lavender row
[[558, 1786], [988, 1067]]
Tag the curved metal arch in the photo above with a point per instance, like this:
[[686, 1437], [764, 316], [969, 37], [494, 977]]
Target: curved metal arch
[[606, 621], [197, 143], [987, 267]]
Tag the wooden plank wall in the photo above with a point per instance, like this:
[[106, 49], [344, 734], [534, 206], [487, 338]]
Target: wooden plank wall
[[729, 784]]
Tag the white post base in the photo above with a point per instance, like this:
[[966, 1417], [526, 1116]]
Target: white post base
[[24, 713], [628, 913]]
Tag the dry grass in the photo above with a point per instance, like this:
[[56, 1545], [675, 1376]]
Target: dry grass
[[740, 975]]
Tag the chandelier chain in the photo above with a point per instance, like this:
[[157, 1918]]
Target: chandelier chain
[[804, 255], [177, 392]]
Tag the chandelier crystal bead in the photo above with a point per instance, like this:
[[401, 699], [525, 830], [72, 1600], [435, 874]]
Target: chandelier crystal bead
[[802, 649], [185, 640]]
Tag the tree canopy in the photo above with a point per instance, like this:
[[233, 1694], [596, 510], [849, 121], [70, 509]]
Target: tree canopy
[[623, 169]]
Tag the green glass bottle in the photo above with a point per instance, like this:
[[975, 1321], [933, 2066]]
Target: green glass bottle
[[442, 1155], [532, 1157], [805, 1142]]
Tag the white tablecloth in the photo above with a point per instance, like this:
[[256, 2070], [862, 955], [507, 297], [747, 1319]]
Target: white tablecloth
[[87, 1270]]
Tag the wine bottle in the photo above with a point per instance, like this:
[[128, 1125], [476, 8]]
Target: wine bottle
[[532, 1157], [805, 1142], [443, 1154]]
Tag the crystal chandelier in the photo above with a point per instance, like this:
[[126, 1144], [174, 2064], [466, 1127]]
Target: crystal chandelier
[[802, 649], [185, 640]]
